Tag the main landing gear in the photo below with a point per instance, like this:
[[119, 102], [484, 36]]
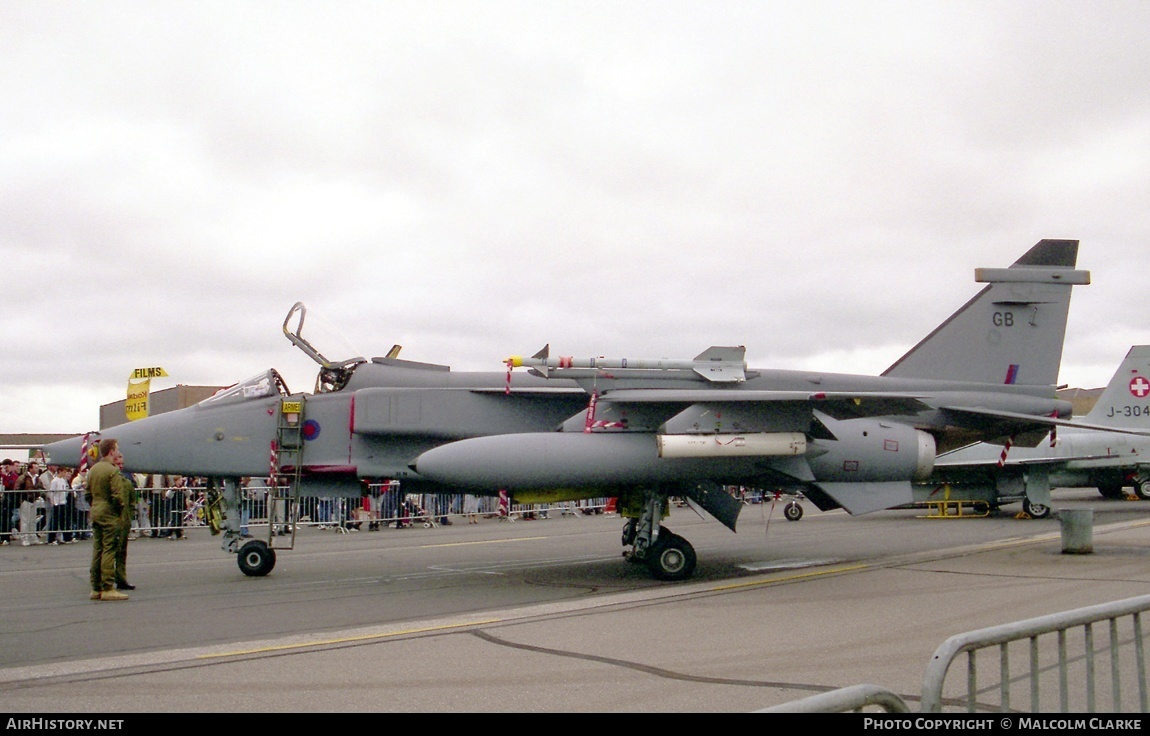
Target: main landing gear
[[667, 555], [1035, 510], [1142, 488], [671, 557], [1112, 491]]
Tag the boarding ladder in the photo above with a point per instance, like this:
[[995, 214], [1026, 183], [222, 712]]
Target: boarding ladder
[[287, 467]]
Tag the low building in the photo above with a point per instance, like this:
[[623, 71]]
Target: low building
[[159, 402]]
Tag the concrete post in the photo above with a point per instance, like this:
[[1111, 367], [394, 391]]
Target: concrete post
[[1077, 531]]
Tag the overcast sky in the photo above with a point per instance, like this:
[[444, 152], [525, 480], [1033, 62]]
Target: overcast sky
[[814, 180]]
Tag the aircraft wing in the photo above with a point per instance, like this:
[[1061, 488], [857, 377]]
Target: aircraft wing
[[527, 391], [1016, 422], [837, 404], [942, 462], [1027, 430]]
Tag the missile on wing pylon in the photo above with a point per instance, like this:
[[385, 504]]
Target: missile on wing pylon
[[717, 363]]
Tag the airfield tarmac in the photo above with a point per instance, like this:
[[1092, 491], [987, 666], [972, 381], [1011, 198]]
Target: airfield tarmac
[[544, 616]]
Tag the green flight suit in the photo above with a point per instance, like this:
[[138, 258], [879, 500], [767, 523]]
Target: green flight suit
[[125, 529], [111, 500]]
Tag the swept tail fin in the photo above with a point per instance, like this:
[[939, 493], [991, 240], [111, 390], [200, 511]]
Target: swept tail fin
[[1011, 331], [1126, 401]]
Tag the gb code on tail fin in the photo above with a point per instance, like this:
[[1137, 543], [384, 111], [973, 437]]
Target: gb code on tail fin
[[1011, 331]]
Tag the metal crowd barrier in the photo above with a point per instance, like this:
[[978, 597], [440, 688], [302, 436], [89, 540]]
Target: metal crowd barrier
[[401, 509], [1056, 648], [162, 511], [846, 699], [1104, 667]]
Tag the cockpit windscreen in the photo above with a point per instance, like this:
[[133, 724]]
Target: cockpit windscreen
[[268, 383]]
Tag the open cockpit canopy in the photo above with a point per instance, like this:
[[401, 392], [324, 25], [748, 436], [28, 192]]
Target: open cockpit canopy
[[333, 375]]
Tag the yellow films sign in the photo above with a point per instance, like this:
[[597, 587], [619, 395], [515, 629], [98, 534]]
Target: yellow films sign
[[137, 405], [153, 372]]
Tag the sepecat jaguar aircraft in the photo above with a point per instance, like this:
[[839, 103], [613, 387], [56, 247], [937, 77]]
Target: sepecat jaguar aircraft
[[639, 430]]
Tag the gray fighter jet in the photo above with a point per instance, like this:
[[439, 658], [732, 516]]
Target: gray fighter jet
[[1068, 457], [642, 431]]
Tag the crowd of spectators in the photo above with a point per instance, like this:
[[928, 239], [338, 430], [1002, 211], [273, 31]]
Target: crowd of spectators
[[39, 505], [46, 505]]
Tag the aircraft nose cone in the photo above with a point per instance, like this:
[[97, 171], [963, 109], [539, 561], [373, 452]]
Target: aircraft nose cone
[[65, 452]]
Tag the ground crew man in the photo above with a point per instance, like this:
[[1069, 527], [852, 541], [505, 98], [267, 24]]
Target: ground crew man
[[131, 499], [111, 496]]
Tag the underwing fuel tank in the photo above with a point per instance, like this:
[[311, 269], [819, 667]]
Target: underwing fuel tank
[[752, 444], [551, 460], [566, 460]]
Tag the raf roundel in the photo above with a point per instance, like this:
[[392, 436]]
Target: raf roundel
[[310, 429], [1140, 387]]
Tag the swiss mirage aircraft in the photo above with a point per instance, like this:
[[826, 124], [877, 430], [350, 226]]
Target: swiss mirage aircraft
[[642, 431], [1068, 457]]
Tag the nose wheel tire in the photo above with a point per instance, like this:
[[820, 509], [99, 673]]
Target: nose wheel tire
[[256, 558], [671, 557], [793, 511]]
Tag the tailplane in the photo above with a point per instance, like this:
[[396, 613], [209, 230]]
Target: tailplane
[[1126, 401], [1011, 331]]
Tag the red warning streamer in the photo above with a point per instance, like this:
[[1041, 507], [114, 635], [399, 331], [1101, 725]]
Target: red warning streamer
[[1005, 450], [83, 453], [590, 422], [272, 480]]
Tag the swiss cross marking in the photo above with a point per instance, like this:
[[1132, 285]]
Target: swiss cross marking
[[1140, 387]]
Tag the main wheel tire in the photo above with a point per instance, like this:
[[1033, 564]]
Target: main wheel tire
[[793, 511], [1142, 490], [256, 558], [1112, 491], [671, 557], [1035, 510]]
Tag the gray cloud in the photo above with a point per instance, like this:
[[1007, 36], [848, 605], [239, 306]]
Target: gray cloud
[[814, 181]]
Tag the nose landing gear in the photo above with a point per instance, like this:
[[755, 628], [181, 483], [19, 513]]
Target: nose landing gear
[[256, 558]]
